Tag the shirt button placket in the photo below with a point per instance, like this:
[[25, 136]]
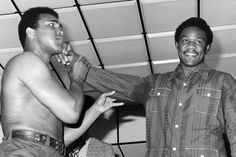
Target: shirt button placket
[[176, 125]]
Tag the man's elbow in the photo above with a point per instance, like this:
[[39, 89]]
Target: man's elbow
[[72, 118], [74, 112]]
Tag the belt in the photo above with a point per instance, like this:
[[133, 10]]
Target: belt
[[37, 137]]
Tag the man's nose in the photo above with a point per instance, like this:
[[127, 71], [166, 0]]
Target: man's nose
[[191, 44]]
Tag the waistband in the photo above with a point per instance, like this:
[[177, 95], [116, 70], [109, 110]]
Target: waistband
[[37, 137]]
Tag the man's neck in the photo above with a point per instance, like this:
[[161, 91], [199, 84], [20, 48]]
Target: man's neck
[[44, 56], [189, 70]]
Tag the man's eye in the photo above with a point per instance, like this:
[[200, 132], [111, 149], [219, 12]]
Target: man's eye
[[184, 40], [51, 24], [199, 42]]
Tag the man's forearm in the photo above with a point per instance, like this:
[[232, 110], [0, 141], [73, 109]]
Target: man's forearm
[[72, 134], [106, 81], [76, 90]]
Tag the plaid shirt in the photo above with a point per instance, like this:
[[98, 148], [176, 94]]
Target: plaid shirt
[[185, 117]]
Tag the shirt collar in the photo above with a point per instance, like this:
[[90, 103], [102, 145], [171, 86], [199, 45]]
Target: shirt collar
[[203, 69]]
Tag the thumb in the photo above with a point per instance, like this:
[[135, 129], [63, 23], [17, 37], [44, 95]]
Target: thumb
[[108, 94]]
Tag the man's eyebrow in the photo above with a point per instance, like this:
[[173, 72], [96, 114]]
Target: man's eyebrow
[[202, 38]]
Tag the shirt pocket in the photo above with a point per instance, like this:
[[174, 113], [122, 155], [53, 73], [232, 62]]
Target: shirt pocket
[[201, 152], [159, 98], [207, 101]]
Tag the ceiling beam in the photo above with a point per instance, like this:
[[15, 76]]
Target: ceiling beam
[[145, 35], [2, 66], [16, 7], [89, 34], [198, 9]]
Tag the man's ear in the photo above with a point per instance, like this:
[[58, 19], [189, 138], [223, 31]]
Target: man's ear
[[208, 48], [30, 32], [176, 44]]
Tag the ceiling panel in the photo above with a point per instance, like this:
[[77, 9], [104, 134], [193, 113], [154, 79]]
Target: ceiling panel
[[74, 29], [219, 12], [112, 19], [162, 47], [23, 5], [156, 13], [221, 43], [6, 7], [86, 49], [86, 2], [5, 56], [9, 31], [112, 51], [163, 68]]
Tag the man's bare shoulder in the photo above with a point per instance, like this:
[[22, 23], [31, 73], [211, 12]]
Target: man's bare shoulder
[[24, 59], [25, 63]]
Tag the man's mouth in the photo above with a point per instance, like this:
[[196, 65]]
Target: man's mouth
[[190, 53], [59, 37]]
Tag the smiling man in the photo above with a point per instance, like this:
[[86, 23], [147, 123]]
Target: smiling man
[[192, 43], [187, 110]]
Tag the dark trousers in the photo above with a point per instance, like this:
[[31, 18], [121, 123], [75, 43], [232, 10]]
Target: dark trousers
[[21, 148]]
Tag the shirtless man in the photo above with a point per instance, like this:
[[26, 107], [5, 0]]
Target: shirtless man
[[34, 104]]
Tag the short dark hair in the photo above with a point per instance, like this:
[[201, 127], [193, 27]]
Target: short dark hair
[[195, 22], [30, 19]]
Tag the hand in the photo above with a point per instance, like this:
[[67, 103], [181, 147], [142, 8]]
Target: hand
[[68, 57], [68, 54], [104, 102], [79, 68]]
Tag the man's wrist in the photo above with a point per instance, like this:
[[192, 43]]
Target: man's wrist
[[84, 73], [77, 82], [81, 77]]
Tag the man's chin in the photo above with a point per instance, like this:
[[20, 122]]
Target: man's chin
[[191, 65], [57, 51]]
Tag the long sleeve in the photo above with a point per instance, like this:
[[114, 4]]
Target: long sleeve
[[229, 101], [127, 87]]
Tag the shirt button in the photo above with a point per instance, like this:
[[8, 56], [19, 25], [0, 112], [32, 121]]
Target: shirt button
[[176, 126], [174, 149], [158, 94], [184, 84], [180, 104]]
